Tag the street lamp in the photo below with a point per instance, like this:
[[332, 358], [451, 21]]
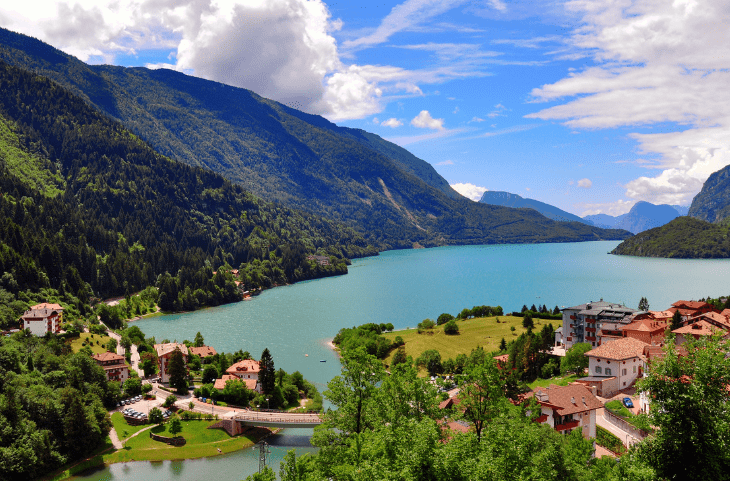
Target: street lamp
[[267, 404]]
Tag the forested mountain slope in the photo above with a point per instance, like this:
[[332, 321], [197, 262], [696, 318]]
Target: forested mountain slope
[[88, 208], [301, 160], [684, 238], [507, 199], [712, 203]]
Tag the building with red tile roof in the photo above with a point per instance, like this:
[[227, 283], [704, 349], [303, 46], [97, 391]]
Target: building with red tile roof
[[114, 366], [696, 330], [247, 369], [41, 320], [714, 318], [221, 383], [164, 351], [621, 358], [565, 408], [203, 351], [646, 330]]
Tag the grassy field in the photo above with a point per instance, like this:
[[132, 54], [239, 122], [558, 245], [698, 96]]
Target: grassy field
[[77, 343], [485, 332], [121, 427], [559, 380], [201, 442]]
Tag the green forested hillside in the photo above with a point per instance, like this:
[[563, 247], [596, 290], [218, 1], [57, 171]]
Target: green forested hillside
[[391, 197], [684, 238], [100, 213]]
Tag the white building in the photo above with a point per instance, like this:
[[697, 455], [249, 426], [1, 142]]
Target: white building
[[42, 319], [565, 408], [622, 359], [584, 323]]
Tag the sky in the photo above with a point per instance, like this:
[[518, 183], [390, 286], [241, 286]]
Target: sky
[[589, 105]]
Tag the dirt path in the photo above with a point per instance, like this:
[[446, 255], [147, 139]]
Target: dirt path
[[115, 439]]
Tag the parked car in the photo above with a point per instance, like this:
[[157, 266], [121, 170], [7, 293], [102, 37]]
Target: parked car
[[627, 402]]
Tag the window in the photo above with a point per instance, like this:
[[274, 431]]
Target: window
[[608, 371], [598, 369], [634, 369], [624, 373]]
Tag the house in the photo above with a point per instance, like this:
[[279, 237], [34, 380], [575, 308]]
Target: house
[[202, 352], [221, 383], [714, 318], [248, 370], [582, 323], [164, 351], [696, 330], [646, 330], [41, 321], [53, 306], [621, 359], [691, 308], [114, 366], [321, 260], [565, 408]]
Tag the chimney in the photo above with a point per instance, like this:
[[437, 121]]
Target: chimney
[[572, 400], [594, 390], [584, 401]]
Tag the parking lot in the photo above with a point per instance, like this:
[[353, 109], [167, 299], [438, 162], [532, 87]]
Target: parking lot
[[141, 405]]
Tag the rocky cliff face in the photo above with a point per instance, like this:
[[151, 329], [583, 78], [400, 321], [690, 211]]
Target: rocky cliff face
[[712, 204]]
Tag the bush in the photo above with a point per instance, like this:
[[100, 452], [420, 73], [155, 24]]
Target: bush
[[156, 416], [609, 441], [170, 401], [444, 318], [398, 341], [450, 328], [146, 387]]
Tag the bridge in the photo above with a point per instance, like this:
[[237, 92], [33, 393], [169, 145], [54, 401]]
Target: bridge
[[277, 419]]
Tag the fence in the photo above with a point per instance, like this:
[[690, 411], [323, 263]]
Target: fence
[[624, 425]]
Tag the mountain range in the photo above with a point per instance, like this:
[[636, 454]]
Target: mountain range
[[303, 161], [494, 197], [641, 217]]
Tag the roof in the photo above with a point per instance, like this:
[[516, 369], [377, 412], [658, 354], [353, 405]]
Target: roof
[[221, 383], [108, 356], [713, 318], [46, 305], [699, 328], [459, 425], [691, 304], [42, 313], [662, 314], [645, 325], [167, 348], [247, 365], [203, 351], [570, 399], [624, 348]]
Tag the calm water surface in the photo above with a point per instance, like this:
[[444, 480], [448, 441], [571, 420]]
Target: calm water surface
[[404, 287]]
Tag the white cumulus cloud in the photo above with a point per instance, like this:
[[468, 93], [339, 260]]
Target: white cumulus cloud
[[654, 62], [424, 121], [470, 191], [392, 122], [585, 183]]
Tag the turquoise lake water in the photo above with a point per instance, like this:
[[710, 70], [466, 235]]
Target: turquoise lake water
[[404, 287]]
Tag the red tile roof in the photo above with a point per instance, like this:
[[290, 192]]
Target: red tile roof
[[713, 318], [247, 365], [571, 399], [46, 305], [167, 348], [108, 356], [624, 348], [691, 304], [203, 351], [699, 328], [221, 383], [645, 325]]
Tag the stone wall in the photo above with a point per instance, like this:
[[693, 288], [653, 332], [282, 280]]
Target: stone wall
[[179, 441], [233, 428]]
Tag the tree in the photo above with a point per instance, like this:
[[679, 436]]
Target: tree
[[482, 394], [210, 374], [199, 341], [148, 363], [690, 407], [170, 401], [527, 322], [156, 416], [431, 360], [676, 322], [111, 346], [175, 427], [267, 372], [502, 345], [400, 356], [444, 318], [643, 304], [177, 371], [575, 359], [451, 328], [133, 386], [556, 310]]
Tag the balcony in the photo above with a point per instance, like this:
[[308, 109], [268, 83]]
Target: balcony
[[591, 329], [567, 425]]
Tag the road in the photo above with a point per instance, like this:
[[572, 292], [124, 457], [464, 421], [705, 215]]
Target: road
[[626, 438]]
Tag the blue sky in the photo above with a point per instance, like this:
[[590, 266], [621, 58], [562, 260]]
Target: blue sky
[[590, 105]]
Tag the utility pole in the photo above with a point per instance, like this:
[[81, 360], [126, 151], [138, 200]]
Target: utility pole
[[263, 452]]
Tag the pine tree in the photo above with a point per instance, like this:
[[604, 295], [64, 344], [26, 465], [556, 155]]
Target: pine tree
[[643, 304], [502, 345], [267, 372], [177, 371], [676, 321]]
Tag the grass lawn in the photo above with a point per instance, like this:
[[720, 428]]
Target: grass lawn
[[201, 442], [121, 426], [559, 380], [76, 343], [484, 331]]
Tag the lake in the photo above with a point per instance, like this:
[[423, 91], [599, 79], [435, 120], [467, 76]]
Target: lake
[[404, 287]]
